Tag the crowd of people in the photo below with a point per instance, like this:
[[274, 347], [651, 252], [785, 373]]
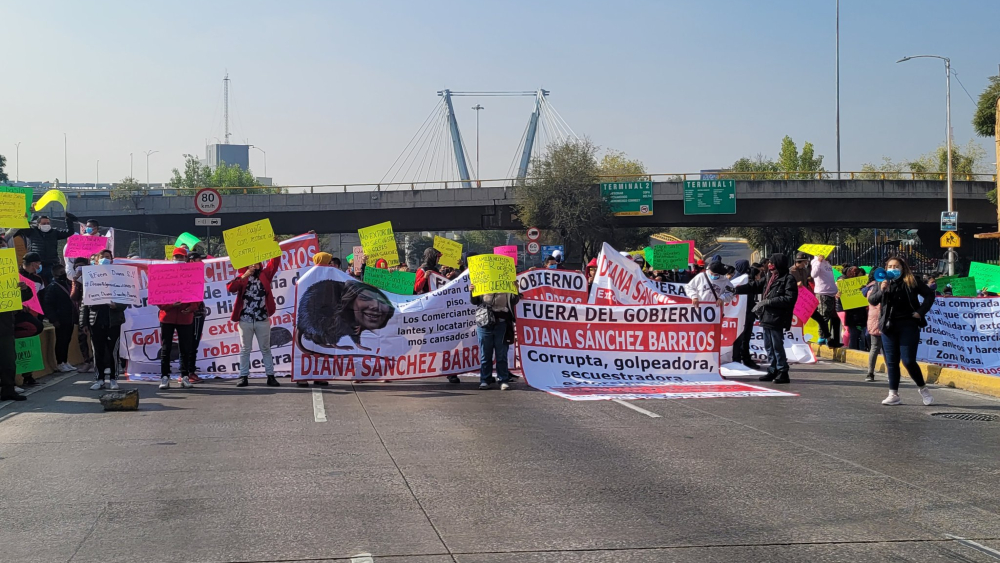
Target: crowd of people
[[889, 325]]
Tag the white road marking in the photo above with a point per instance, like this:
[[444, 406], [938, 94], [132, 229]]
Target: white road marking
[[973, 545], [362, 558], [319, 410], [636, 409]]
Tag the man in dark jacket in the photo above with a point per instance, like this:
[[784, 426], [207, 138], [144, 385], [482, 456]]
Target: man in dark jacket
[[59, 309], [44, 240], [778, 291], [741, 347]]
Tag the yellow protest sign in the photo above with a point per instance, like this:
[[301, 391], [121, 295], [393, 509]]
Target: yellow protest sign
[[451, 251], [492, 273], [49, 197], [818, 249], [168, 251], [379, 243], [12, 211], [10, 293], [850, 292], [251, 243]]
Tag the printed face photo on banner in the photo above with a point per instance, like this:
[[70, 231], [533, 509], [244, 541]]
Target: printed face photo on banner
[[330, 311]]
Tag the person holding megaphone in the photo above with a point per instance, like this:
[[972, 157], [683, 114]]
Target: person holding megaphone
[[904, 302]]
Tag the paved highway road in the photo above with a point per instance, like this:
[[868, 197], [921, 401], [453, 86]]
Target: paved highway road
[[429, 473]]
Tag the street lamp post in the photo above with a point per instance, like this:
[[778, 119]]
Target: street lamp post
[[18, 161], [147, 166], [478, 108], [265, 157], [951, 192], [838, 89], [97, 178], [65, 161], [130, 173]]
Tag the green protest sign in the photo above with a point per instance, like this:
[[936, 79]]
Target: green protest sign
[[28, 195], [400, 283], [986, 275], [29, 354], [962, 287], [670, 256]]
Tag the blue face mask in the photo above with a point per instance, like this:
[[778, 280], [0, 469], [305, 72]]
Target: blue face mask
[[893, 274], [552, 266], [715, 276], [90, 230], [104, 261], [39, 269]]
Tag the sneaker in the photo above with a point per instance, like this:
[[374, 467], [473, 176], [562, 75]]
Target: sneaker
[[107, 371], [321, 383], [484, 386], [164, 382], [769, 376], [272, 382], [892, 399], [89, 366], [184, 382], [18, 390], [194, 379], [926, 395], [28, 381], [454, 379], [870, 377], [243, 382], [505, 386], [113, 385], [97, 386], [821, 342], [302, 384]]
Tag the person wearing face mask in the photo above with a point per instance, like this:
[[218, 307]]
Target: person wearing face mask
[[494, 328], [778, 292], [61, 312], [177, 318], [252, 308], [904, 302], [44, 241], [76, 294], [27, 322], [741, 347], [827, 295], [8, 349], [710, 285], [93, 228], [430, 264], [104, 323]]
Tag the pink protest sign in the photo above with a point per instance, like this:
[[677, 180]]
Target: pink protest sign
[[509, 250], [84, 245], [805, 304], [33, 303], [181, 282]]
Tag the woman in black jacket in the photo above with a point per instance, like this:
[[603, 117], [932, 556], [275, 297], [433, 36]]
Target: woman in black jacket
[[778, 291], [900, 320], [60, 310]]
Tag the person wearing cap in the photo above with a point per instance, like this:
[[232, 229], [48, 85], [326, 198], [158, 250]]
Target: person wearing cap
[[44, 241], [252, 308], [778, 293], [26, 322], [591, 272], [322, 258], [105, 325], [827, 294], [198, 328], [710, 285], [177, 318]]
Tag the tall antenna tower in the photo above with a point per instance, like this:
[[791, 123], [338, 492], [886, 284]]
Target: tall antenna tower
[[225, 90]]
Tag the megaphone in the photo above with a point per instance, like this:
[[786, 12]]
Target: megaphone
[[879, 275]]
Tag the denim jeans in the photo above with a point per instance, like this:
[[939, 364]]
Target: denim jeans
[[491, 342], [901, 347], [774, 343], [262, 331]]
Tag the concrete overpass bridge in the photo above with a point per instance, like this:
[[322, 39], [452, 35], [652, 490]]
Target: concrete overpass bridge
[[909, 204]]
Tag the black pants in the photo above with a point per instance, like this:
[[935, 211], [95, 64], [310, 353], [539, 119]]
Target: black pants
[[199, 328], [900, 347], [741, 347], [8, 354], [64, 335], [105, 344], [829, 323], [185, 340]]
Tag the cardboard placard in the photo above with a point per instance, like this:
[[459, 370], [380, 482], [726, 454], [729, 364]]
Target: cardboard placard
[[252, 243], [669, 256], [379, 243], [850, 292], [29, 354], [400, 283], [508, 250], [12, 211], [818, 249], [111, 283], [451, 252], [179, 282], [986, 275], [10, 290], [84, 246], [492, 273]]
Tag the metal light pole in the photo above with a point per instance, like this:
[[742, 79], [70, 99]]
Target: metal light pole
[[18, 161], [147, 166], [65, 162], [478, 108], [97, 179], [265, 157], [130, 174], [951, 192], [838, 89]]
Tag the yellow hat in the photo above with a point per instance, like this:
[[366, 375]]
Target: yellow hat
[[322, 258]]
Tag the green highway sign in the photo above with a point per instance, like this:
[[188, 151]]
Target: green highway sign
[[710, 197], [629, 198]]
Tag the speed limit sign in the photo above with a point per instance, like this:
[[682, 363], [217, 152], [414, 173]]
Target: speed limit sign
[[207, 201], [533, 248]]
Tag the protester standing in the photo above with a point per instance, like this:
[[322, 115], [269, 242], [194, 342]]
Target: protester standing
[[26, 322], [779, 292], [710, 285], [905, 302], [60, 310], [875, 335], [826, 294], [105, 324], [76, 294], [177, 318], [44, 241], [854, 319], [252, 309], [741, 347], [494, 328], [430, 264]]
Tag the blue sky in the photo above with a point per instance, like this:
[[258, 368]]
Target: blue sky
[[333, 91]]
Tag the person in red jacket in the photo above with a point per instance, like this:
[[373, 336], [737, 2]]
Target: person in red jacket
[[252, 310], [178, 318], [430, 264]]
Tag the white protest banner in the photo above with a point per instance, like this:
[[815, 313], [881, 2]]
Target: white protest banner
[[963, 332], [594, 352], [553, 285], [218, 353], [348, 330], [111, 283]]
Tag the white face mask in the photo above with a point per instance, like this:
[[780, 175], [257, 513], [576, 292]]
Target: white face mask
[[45, 228]]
